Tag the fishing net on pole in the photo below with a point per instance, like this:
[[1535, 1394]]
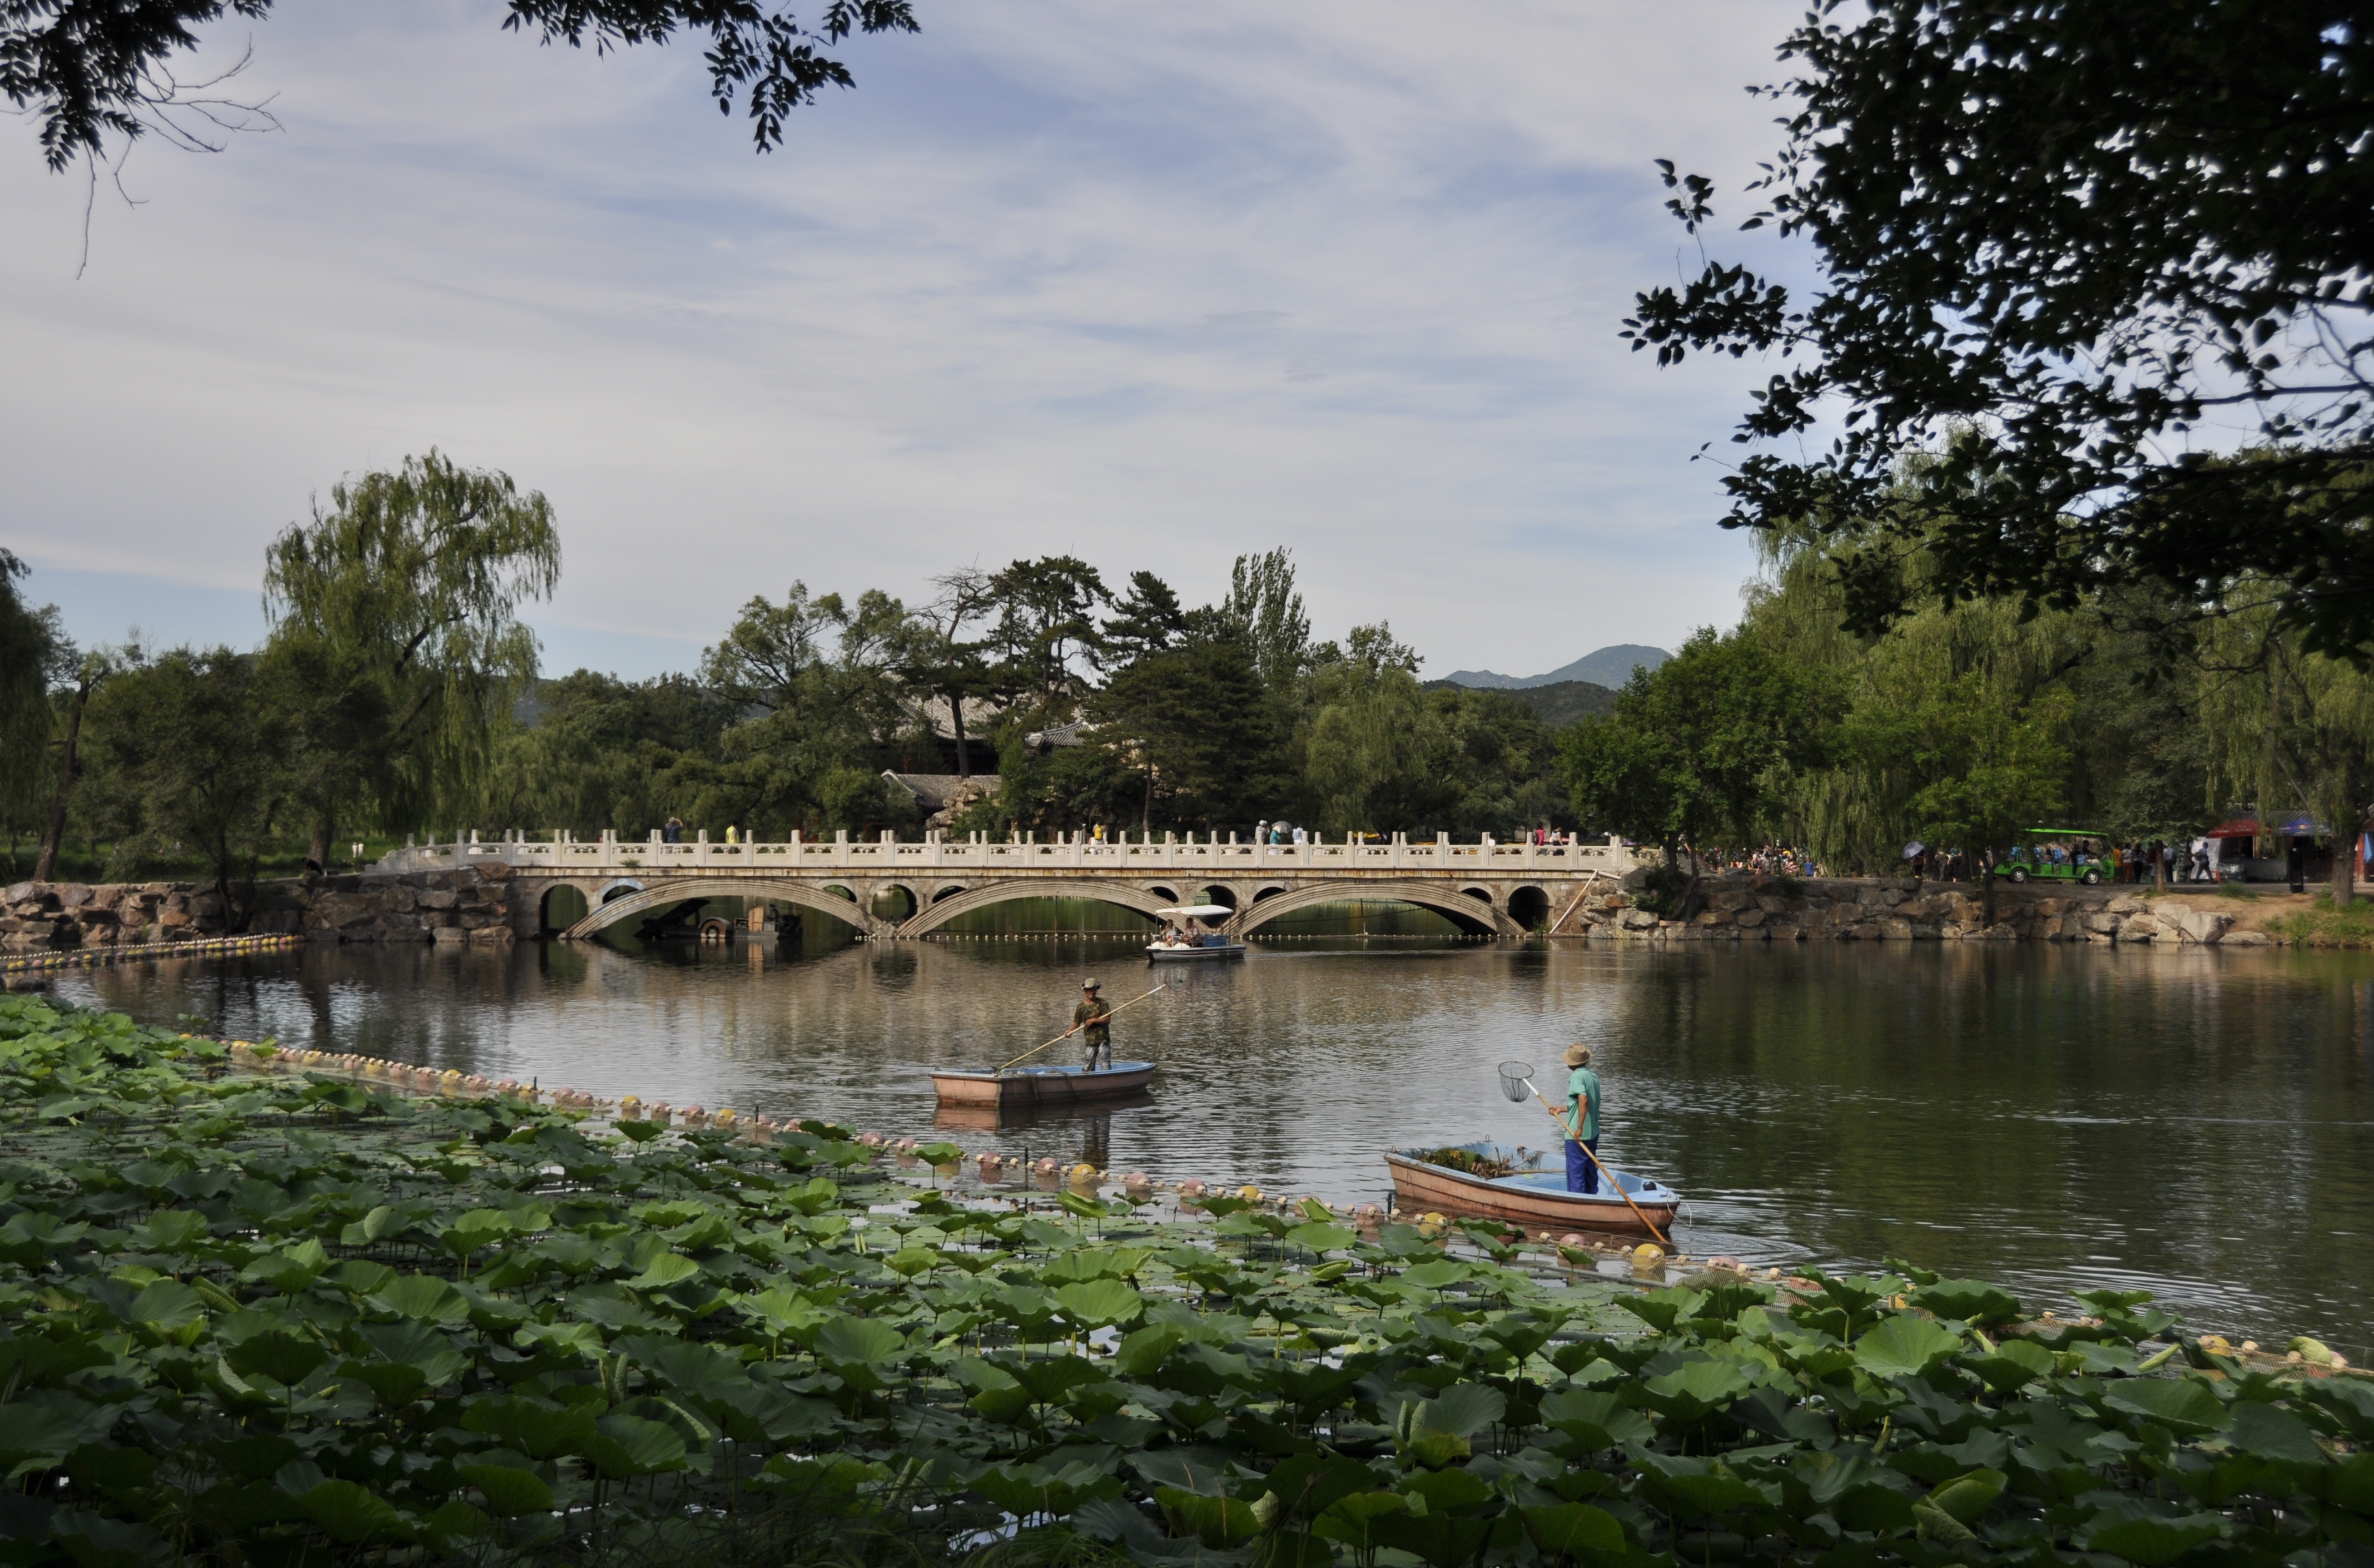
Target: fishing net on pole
[[1516, 1079]]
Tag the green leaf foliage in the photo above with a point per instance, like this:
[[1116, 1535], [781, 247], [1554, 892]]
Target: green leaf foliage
[[672, 1341]]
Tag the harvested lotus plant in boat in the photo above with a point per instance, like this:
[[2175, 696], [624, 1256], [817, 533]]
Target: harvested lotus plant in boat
[[1467, 1160]]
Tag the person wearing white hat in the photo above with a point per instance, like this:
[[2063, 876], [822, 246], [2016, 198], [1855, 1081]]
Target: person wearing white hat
[[1093, 1019]]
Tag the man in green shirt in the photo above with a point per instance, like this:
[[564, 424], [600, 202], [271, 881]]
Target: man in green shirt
[[1582, 1121], [1092, 1018]]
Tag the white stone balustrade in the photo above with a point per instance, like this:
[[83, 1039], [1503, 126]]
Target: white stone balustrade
[[1440, 857]]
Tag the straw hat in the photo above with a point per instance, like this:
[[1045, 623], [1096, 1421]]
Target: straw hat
[[1090, 985], [1578, 1055]]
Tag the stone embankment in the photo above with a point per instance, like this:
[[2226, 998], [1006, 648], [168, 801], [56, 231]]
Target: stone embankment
[[1791, 909], [472, 906]]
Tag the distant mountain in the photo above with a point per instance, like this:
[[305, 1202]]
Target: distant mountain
[[1610, 667], [1559, 702]]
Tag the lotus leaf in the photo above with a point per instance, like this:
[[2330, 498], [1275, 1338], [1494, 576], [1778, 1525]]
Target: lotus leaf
[[2156, 1543], [1216, 1521], [1576, 1530], [352, 1514], [1966, 1497], [1099, 1303], [1969, 1300], [2183, 1406], [2271, 1433], [1904, 1347], [508, 1490], [421, 1296], [666, 1270], [858, 1341]]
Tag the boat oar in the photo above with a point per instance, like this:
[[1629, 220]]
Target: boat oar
[[1076, 1029], [1514, 1073]]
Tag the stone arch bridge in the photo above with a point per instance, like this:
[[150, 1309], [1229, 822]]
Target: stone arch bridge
[[1505, 890]]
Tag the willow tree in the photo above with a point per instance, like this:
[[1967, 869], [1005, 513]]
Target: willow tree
[[395, 611], [2293, 728], [34, 655]]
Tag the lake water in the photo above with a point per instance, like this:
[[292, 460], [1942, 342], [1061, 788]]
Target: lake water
[[2055, 1118]]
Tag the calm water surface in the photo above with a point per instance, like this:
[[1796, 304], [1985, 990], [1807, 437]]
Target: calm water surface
[[2198, 1123]]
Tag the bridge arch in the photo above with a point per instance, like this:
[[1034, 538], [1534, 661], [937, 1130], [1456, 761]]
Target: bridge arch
[[1456, 906], [1144, 900], [807, 895]]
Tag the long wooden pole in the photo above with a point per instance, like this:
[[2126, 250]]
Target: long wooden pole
[[1076, 1028], [1592, 1155]]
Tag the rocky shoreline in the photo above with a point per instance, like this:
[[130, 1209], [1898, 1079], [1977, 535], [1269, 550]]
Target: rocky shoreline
[[1875, 910], [474, 907]]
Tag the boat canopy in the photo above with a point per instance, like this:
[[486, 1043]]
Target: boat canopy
[[1196, 911]]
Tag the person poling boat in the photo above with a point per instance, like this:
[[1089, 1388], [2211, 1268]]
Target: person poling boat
[[1100, 1078], [1580, 1122], [1093, 1017]]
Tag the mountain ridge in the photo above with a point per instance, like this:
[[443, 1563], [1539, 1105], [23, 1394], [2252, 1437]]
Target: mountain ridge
[[1610, 667]]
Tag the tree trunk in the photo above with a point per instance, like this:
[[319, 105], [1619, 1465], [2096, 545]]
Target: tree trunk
[[956, 721], [320, 853], [69, 769]]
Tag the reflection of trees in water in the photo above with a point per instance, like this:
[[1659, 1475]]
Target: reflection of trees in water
[[2055, 1115]]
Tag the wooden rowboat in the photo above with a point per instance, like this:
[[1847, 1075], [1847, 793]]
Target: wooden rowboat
[[1533, 1195], [1041, 1086]]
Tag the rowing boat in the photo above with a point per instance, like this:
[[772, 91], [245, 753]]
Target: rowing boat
[[1531, 1193], [1041, 1086]]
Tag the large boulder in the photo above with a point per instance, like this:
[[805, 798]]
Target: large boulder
[[2246, 939], [2208, 927]]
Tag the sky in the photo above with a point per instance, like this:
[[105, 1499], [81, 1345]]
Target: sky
[[1149, 285]]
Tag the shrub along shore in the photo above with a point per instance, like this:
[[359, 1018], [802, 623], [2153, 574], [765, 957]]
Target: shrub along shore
[[290, 1318]]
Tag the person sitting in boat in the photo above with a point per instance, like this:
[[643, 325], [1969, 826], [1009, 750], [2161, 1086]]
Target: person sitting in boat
[[1092, 1019], [1582, 1121]]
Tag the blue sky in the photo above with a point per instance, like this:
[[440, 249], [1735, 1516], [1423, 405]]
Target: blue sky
[[1149, 285]]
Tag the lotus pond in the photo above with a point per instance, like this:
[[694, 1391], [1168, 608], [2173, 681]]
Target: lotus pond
[[277, 1319]]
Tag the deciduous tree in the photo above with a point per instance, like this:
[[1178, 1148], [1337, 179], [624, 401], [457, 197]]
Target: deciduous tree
[[2063, 248], [1699, 747], [94, 71]]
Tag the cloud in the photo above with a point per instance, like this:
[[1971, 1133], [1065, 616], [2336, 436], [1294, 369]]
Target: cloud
[[1149, 285]]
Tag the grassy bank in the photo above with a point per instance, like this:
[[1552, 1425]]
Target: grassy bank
[[277, 1319]]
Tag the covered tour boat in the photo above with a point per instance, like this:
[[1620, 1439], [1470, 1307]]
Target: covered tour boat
[[1494, 1181], [1041, 1086], [1185, 940]]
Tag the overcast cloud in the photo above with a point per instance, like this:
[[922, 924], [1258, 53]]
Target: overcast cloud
[[1150, 285]]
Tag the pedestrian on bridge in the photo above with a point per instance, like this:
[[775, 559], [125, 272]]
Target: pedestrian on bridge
[[1093, 1019]]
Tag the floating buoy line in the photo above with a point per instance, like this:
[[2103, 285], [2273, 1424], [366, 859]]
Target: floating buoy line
[[995, 1169], [93, 958]]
